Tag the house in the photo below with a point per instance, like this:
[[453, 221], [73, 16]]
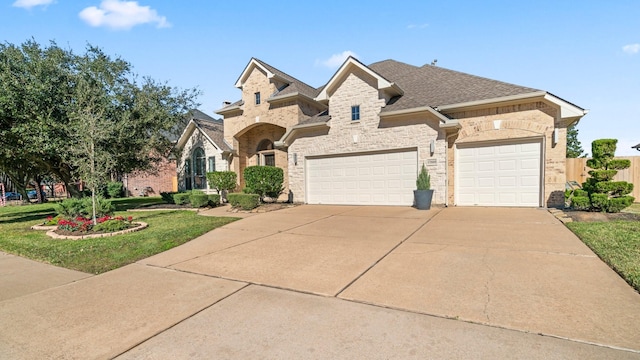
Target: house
[[362, 137], [202, 149]]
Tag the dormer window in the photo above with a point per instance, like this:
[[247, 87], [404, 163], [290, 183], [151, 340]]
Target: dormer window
[[355, 112], [257, 98]]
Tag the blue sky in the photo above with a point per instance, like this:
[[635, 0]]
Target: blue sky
[[586, 52]]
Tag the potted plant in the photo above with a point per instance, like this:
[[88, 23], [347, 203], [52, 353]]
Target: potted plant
[[423, 195]]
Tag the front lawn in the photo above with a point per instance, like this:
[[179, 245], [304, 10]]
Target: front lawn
[[616, 242], [167, 229]]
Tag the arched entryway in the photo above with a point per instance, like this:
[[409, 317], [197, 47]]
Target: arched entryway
[[256, 146]]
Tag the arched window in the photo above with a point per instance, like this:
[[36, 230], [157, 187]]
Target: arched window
[[199, 169], [265, 154]]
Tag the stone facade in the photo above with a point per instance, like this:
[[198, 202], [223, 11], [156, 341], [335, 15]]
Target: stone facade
[[372, 134], [268, 120], [533, 120], [195, 141]]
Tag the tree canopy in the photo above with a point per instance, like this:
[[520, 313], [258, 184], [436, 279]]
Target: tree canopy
[[574, 147], [82, 116]]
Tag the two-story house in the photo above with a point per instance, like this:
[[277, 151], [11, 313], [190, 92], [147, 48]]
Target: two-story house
[[362, 137]]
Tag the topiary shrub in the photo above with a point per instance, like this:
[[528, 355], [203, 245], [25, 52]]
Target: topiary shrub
[[605, 194], [114, 189], [198, 199], [264, 180], [181, 198], [244, 201], [167, 197], [214, 199], [580, 203]]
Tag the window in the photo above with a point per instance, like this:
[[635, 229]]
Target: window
[[265, 154], [257, 98], [355, 112], [199, 169], [187, 174], [212, 164]]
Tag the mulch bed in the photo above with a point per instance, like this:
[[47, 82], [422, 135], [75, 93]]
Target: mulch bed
[[588, 216]]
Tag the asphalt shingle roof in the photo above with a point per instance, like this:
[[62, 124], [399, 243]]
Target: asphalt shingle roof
[[295, 85], [214, 128], [434, 86]]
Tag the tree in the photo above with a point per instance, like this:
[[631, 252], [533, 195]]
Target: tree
[[222, 181], [574, 147], [600, 192], [53, 103]]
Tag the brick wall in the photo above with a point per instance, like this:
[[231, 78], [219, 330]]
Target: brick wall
[[162, 181]]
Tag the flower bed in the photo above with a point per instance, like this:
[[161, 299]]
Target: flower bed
[[81, 227]]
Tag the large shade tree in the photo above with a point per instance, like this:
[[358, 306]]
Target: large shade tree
[[81, 116]]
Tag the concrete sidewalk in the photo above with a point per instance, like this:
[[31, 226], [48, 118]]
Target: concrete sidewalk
[[394, 282]]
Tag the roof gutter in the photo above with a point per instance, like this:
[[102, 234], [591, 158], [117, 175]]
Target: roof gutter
[[427, 109], [281, 98]]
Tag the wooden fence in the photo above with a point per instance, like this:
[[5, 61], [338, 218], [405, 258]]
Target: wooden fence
[[577, 170]]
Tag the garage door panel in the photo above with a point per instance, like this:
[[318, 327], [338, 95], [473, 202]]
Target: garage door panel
[[499, 174], [390, 179]]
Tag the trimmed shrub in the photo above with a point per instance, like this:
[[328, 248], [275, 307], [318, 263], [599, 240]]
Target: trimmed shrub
[[244, 201], [181, 198], [168, 197], [580, 192], [605, 194], [264, 180], [198, 200], [214, 199], [580, 203], [114, 189]]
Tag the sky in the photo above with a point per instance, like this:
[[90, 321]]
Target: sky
[[586, 52]]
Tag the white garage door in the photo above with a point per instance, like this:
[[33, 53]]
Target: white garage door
[[498, 175], [366, 179]]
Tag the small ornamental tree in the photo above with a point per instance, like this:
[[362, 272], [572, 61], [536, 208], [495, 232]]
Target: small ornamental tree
[[222, 181], [603, 193]]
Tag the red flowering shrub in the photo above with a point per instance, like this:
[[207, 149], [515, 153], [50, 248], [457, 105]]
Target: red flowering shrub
[[106, 223]]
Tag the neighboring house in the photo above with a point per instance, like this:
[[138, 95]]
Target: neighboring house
[[162, 179], [362, 137], [203, 149]]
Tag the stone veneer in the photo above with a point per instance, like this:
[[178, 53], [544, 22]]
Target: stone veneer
[[518, 121], [373, 134], [198, 139]]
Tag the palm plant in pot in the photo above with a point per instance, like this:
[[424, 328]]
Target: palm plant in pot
[[423, 195]]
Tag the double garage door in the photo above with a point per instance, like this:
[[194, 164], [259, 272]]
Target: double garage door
[[387, 178], [507, 174]]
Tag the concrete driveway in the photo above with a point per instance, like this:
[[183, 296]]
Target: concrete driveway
[[344, 282]]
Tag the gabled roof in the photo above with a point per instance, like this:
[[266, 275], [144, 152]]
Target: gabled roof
[[213, 129], [347, 67], [292, 87]]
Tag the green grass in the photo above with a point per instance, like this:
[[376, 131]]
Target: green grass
[[166, 230], [617, 243]]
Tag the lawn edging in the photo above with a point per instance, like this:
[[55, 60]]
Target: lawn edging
[[141, 225]]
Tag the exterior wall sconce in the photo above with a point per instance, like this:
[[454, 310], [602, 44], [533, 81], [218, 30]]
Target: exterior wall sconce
[[555, 136], [432, 146], [295, 158]]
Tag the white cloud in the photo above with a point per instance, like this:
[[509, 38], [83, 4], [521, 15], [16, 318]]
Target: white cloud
[[631, 48], [28, 4], [417, 26], [121, 15], [336, 59]]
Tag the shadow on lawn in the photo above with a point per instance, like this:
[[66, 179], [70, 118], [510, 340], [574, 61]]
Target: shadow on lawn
[[26, 216]]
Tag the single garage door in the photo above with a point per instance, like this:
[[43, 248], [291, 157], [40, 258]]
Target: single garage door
[[499, 174], [366, 179]]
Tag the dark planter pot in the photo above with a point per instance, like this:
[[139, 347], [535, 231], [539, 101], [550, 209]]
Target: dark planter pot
[[423, 199]]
